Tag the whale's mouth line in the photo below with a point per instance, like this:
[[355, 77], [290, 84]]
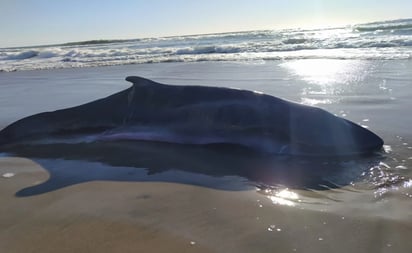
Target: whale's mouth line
[[169, 137], [212, 138], [249, 145]]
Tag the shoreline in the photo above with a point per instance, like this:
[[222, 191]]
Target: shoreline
[[113, 215]]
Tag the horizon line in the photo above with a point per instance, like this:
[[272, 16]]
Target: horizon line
[[107, 41]]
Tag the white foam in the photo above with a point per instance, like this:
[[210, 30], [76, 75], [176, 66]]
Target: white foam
[[8, 175]]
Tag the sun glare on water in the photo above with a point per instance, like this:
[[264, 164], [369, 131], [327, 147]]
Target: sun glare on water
[[326, 77], [326, 72], [283, 197]]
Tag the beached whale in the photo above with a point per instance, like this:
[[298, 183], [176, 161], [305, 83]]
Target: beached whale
[[200, 115]]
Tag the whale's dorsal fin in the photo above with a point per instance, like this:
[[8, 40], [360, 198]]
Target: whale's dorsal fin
[[140, 81], [140, 86]]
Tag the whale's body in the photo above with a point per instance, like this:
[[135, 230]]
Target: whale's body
[[198, 115]]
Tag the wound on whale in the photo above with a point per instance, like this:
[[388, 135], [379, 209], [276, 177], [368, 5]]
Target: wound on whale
[[198, 115]]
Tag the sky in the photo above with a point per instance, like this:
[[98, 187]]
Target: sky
[[41, 22]]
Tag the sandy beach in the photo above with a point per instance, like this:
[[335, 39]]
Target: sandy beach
[[106, 205]]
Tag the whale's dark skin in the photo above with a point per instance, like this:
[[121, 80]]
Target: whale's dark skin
[[199, 115]]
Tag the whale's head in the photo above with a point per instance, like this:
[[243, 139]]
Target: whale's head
[[314, 131]]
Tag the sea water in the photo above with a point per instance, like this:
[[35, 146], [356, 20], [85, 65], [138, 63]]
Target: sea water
[[379, 40]]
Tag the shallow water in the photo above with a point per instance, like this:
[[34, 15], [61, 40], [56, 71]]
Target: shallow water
[[282, 199]]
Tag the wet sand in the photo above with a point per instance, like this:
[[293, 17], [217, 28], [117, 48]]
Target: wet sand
[[370, 215], [164, 217]]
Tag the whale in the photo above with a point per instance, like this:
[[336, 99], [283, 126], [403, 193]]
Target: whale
[[197, 115]]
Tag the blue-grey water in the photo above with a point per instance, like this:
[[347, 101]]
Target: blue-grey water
[[379, 40]]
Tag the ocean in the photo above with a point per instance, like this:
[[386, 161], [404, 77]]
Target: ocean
[[374, 41], [157, 197]]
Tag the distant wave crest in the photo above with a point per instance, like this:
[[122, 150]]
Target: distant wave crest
[[403, 24], [95, 42]]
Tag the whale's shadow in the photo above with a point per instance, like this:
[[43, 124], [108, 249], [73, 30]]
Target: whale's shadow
[[225, 167]]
